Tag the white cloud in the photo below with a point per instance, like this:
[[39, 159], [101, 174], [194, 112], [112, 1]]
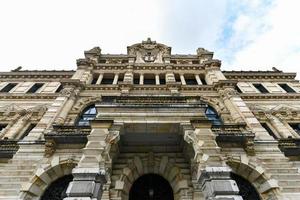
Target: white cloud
[[273, 39], [53, 34]]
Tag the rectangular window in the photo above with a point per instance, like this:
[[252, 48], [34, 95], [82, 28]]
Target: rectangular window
[[35, 87], [177, 78], [107, 79], [269, 130], [238, 89], [296, 127], [260, 88], [162, 81], [149, 79], [190, 80], [95, 78], [59, 89], [27, 131], [8, 87], [136, 79], [203, 81], [287, 88]]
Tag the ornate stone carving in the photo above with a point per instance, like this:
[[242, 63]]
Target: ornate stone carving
[[50, 147], [149, 51]]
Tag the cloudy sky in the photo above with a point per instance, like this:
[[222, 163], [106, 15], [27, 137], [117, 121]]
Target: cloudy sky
[[244, 34]]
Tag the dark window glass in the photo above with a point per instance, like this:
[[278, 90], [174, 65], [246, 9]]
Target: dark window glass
[[173, 61], [260, 88], [190, 80], [162, 81], [136, 81], [59, 88], [35, 87], [269, 130], [287, 88], [88, 114], [121, 78], [149, 79], [8, 87], [177, 78], [2, 126], [95, 78], [195, 61], [212, 116], [102, 61], [238, 89], [107, 81], [203, 81], [296, 127], [30, 127]]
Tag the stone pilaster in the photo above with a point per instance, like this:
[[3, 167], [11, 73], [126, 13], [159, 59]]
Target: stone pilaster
[[70, 97], [90, 174], [128, 76], [242, 114], [216, 184]]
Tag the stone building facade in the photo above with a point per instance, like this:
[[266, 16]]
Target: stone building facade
[[149, 125]]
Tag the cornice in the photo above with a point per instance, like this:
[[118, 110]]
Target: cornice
[[269, 96], [28, 96], [36, 75], [250, 75]]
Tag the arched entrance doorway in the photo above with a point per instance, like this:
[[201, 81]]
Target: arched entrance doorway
[[57, 189], [151, 187], [247, 190]]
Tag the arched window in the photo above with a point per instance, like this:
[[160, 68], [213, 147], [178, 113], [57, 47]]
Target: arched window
[[57, 189], [212, 116], [88, 114], [247, 190]]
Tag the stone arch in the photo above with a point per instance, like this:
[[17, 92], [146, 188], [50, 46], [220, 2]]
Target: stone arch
[[44, 176], [219, 106], [137, 167], [266, 187], [79, 107]]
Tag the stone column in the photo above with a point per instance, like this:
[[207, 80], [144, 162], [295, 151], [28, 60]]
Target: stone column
[[90, 174], [216, 184], [157, 81], [182, 79], [116, 78], [197, 77], [99, 80], [141, 79]]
